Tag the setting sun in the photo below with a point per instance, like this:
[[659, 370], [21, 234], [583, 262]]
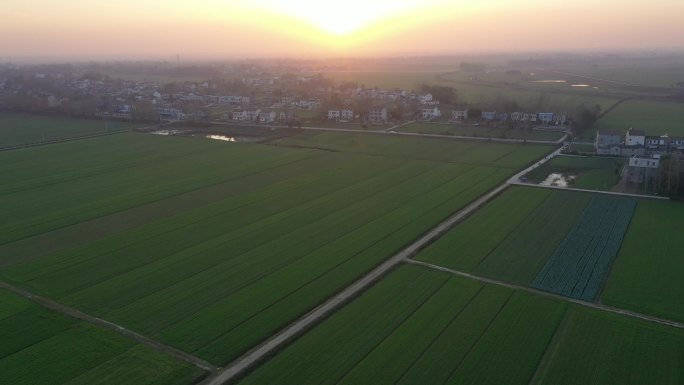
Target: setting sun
[[344, 18]]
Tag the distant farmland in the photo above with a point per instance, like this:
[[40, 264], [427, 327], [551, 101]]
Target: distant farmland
[[18, 129], [656, 118], [480, 131], [211, 246]]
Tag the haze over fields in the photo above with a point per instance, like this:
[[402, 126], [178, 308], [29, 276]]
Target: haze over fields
[[206, 29]]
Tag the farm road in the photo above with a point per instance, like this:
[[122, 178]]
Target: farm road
[[439, 136], [413, 134], [71, 312], [592, 305], [54, 141], [254, 356], [515, 180]]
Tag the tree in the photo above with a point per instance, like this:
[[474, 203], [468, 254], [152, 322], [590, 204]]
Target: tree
[[472, 67], [444, 94], [585, 117]]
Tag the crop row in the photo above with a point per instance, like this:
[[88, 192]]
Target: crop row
[[19, 128], [582, 260], [511, 237], [520, 256], [257, 237], [419, 326], [458, 331], [513, 156], [647, 275], [255, 264], [47, 207]]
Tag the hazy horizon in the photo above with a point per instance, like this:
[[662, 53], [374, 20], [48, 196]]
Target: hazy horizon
[[212, 30]]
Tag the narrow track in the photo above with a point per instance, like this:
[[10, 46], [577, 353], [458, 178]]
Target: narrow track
[[71, 312], [592, 305], [238, 367]]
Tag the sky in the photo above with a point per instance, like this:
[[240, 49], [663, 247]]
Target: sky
[[218, 29]]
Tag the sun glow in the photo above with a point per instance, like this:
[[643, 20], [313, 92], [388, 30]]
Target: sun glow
[[341, 18]]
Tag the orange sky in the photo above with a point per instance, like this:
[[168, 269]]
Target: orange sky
[[155, 29]]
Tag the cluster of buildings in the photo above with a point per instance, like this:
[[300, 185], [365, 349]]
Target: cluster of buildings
[[636, 143], [644, 151], [259, 116], [545, 118]]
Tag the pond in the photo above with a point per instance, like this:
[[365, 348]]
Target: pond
[[558, 180]]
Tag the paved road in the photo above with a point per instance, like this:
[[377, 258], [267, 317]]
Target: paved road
[[251, 358], [592, 305], [515, 179], [71, 312]]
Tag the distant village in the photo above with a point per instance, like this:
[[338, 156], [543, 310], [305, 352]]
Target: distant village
[[247, 95]]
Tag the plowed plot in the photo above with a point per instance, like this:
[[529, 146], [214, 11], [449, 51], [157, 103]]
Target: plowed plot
[[581, 262]]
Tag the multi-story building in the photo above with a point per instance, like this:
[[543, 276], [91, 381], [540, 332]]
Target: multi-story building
[[377, 115], [461, 114]]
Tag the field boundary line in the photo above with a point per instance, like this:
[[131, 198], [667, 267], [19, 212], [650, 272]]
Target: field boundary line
[[331, 269], [439, 335], [593, 305], [391, 333], [415, 134], [238, 367], [654, 197], [77, 314], [479, 337], [73, 138], [508, 235]]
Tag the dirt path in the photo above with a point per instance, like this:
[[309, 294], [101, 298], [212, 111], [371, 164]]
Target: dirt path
[[71, 312], [438, 136], [399, 125], [63, 140], [592, 305], [415, 134], [279, 340]]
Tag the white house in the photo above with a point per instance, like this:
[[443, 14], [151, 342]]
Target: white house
[[488, 115], [246, 115], [428, 113], [267, 117], [233, 99], [285, 116], [635, 137], [545, 117], [347, 114], [559, 119], [643, 170], [334, 114], [459, 114], [425, 98], [377, 114]]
